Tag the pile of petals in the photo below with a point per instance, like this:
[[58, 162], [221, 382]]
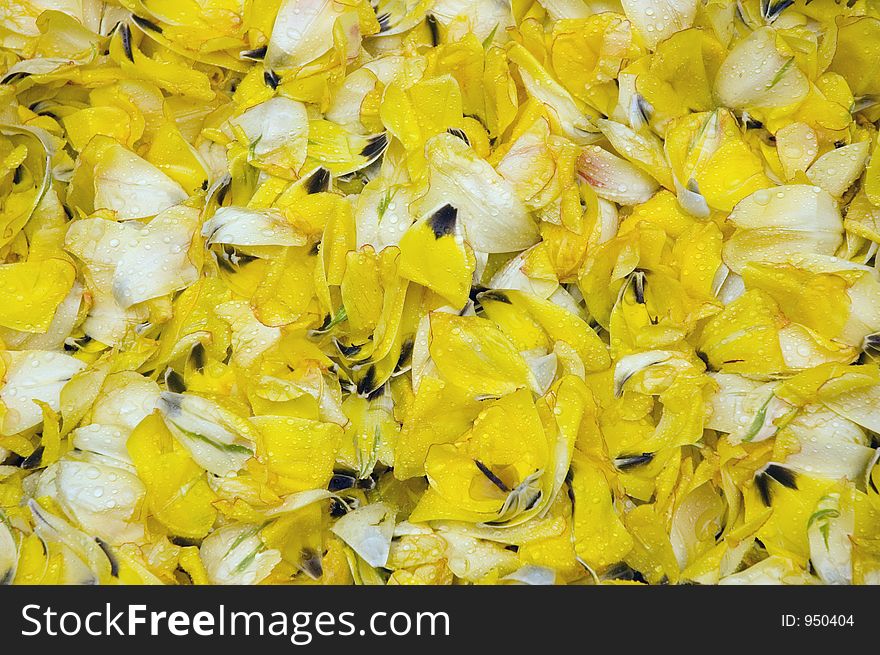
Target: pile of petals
[[439, 292]]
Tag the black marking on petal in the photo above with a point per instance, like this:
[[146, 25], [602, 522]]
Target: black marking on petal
[[204, 185], [172, 403], [318, 181], [405, 357], [753, 123], [534, 500], [762, 482], [17, 175], [146, 24], [771, 10], [431, 22], [375, 146], [348, 351], [384, 21], [839, 144], [33, 460], [476, 290], [367, 384], [338, 508], [494, 479], [198, 356], [184, 542], [311, 564], [454, 131], [315, 249], [13, 77], [234, 257], [271, 79], [257, 54], [223, 189], [114, 563], [225, 264], [623, 571], [644, 107], [638, 282], [783, 476], [705, 359], [442, 221], [125, 35], [378, 392], [182, 576], [341, 482], [625, 462], [497, 296], [174, 381]]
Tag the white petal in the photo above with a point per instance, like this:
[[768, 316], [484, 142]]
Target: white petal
[[836, 170], [830, 446], [235, 555], [614, 178], [861, 406], [278, 127], [33, 375], [158, 262], [207, 431], [755, 74], [8, 552], [659, 19], [774, 570], [250, 338], [368, 530], [830, 530], [132, 187], [240, 226], [494, 218], [103, 499]]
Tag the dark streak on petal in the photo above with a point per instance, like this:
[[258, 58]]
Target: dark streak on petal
[[762, 482], [783, 476], [431, 22], [114, 563], [341, 482], [367, 384], [405, 357], [442, 221], [145, 24], [198, 356], [625, 462], [271, 79], [311, 564], [319, 181], [257, 54], [497, 296], [348, 351], [174, 381], [33, 460], [454, 131], [494, 479], [384, 21], [375, 146], [125, 34]]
